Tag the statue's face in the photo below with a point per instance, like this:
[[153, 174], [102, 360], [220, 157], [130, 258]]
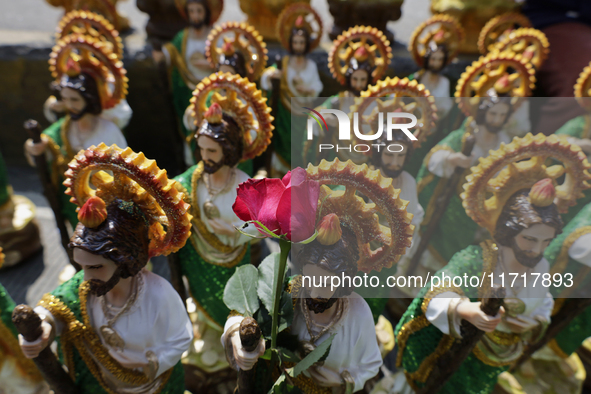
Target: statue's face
[[227, 69], [97, 269], [529, 245], [298, 44], [393, 162], [496, 117], [73, 101], [196, 13], [359, 80], [436, 60], [212, 154], [317, 275]]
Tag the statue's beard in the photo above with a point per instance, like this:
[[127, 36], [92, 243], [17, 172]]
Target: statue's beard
[[523, 258], [197, 25], [77, 115], [211, 167], [391, 172], [100, 288], [494, 129], [319, 305]]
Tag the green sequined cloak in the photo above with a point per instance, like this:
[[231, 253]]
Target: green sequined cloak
[[180, 91], [85, 380], [68, 208], [578, 128], [4, 189], [206, 281], [571, 337], [419, 341], [6, 307], [455, 230]]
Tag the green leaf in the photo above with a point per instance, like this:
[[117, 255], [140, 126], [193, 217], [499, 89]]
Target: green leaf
[[285, 311], [314, 356], [266, 355], [267, 278], [279, 386], [240, 293], [288, 355]]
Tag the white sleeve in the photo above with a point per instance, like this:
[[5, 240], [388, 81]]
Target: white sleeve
[[438, 164], [120, 114], [59, 325], [544, 311], [229, 328], [437, 312], [266, 78], [49, 114], [166, 55], [316, 83], [580, 250]]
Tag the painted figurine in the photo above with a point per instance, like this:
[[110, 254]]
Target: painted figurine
[[341, 248], [489, 102], [98, 27], [107, 8], [83, 68], [18, 374], [499, 27], [185, 54], [228, 132], [300, 29], [522, 215], [120, 327]]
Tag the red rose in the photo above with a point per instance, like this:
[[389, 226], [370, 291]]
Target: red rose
[[270, 202]]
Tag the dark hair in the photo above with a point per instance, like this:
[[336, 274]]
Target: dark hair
[[122, 238], [207, 18], [431, 49], [228, 134], [487, 103], [397, 136], [354, 65], [86, 85], [236, 61], [296, 31], [519, 213], [339, 258]]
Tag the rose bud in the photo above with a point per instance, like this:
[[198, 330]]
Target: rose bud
[[329, 230], [93, 212], [542, 193], [213, 114]]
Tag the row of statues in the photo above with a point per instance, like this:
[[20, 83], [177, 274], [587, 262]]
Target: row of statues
[[470, 192]]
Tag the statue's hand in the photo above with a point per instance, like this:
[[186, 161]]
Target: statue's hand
[[32, 349], [246, 360], [520, 323], [276, 74], [458, 159], [158, 56], [35, 149], [222, 227], [471, 312], [584, 144], [325, 377]]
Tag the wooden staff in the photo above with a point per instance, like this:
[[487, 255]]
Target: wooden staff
[[176, 276], [571, 309], [449, 363], [250, 335], [275, 97], [28, 324], [441, 203], [49, 189]]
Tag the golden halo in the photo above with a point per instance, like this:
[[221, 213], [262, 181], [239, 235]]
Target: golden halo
[[426, 33], [583, 88], [344, 47], [286, 22], [102, 7], [362, 217], [136, 179], [480, 80], [215, 8], [94, 25], [519, 165], [2, 257], [528, 42], [95, 58], [246, 40], [243, 101], [497, 27]]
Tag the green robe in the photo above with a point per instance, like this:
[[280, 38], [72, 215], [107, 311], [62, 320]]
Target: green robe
[[180, 91], [419, 341], [4, 187], [578, 127], [456, 230], [61, 158], [71, 310], [572, 336], [206, 281]]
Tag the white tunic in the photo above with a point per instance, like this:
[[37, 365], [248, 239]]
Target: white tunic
[[156, 322], [105, 131], [354, 348], [438, 86], [194, 46], [308, 77]]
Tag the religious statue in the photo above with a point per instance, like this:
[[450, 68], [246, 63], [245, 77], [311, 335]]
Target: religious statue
[[185, 54], [120, 327], [300, 29], [488, 91], [96, 26], [229, 131], [18, 374], [346, 225], [522, 216], [107, 8], [83, 68], [165, 20], [19, 233], [498, 28]]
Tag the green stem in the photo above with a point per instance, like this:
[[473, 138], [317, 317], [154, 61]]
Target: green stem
[[285, 247]]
